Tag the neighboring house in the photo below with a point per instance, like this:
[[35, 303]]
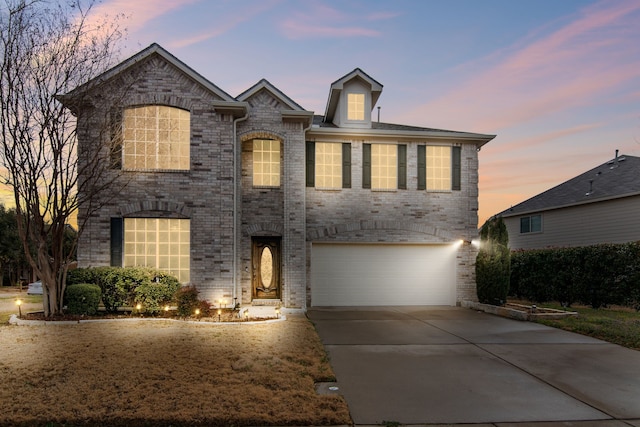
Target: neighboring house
[[256, 200], [598, 206]]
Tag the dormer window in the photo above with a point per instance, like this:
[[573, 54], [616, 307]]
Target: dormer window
[[355, 106]]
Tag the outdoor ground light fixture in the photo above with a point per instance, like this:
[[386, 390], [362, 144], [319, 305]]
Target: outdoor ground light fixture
[[19, 304], [219, 313], [277, 313], [197, 312]]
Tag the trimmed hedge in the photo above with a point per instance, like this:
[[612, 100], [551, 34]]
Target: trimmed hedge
[[598, 275], [82, 298], [129, 286], [493, 263]]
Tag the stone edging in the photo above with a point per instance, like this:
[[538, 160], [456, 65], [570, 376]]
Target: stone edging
[[526, 313], [14, 320]]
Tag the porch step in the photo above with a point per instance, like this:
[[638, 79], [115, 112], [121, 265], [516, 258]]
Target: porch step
[[266, 302]]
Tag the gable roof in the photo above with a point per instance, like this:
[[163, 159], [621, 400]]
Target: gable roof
[[338, 85], [619, 177], [295, 112], [265, 84], [153, 49]]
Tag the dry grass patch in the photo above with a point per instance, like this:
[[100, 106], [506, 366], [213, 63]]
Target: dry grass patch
[[166, 373]]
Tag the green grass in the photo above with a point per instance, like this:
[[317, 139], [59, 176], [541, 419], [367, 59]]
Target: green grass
[[615, 325]]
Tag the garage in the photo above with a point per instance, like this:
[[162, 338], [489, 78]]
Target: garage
[[382, 274]]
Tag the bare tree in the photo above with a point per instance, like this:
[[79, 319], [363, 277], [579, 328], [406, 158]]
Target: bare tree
[[48, 48]]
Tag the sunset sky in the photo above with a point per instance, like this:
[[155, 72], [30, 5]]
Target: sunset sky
[[557, 81]]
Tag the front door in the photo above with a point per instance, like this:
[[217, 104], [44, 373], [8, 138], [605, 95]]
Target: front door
[[265, 261]]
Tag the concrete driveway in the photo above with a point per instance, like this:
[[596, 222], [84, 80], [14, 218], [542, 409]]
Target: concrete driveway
[[450, 365]]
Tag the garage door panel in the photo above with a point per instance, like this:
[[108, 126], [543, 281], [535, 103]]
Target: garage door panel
[[382, 274]]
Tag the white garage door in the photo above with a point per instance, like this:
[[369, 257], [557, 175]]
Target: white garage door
[[376, 274]]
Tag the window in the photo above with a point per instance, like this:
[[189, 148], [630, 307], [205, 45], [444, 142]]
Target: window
[[156, 137], [266, 163], [355, 106], [384, 166], [328, 165], [160, 243], [439, 168], [531, 224]]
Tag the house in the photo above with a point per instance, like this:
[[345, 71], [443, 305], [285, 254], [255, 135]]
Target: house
[[598, 206], [255, 200]]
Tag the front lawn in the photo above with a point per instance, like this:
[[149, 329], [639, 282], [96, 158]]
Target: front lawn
[[617, 325], [163, 373]]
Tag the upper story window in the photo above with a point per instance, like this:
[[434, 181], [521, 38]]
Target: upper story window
[[439, 168], [156, 137], [355, 106], [384, 166], [328, 165], [531, 224], [266, 163]]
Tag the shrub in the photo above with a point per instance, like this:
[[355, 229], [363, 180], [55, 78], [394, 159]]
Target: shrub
[[154, 294], [186, 300], [493, 263], [129, 285], [82, 298]]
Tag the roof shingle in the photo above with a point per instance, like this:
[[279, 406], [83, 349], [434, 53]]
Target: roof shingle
[[615, 178]]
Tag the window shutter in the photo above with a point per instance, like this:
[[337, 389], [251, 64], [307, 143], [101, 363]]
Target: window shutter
[[311, 164], [366, 165], [422, 167], [346, 165], [117, 241], [456, 168], [402, 167], [115, 125]]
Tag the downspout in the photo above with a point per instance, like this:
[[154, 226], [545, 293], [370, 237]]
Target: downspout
[[234, 264], [304, 209]]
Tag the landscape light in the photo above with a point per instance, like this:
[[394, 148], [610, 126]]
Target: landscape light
[[197, 312], [219, 313], [19, 304], [277, 313], [138, 306], [166, 308]]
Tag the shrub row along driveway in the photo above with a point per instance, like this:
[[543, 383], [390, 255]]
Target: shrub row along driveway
[[424, 365], [165, 373]]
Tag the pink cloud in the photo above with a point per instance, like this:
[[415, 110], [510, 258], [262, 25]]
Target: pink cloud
[[295, 30], [568, 68], [138, 13], [325, 22], [226, 24]]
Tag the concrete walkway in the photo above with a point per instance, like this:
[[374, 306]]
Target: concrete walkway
[[449, 365]]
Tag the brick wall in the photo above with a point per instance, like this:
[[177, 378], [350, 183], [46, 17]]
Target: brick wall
[[399, 216], [204, 194]]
